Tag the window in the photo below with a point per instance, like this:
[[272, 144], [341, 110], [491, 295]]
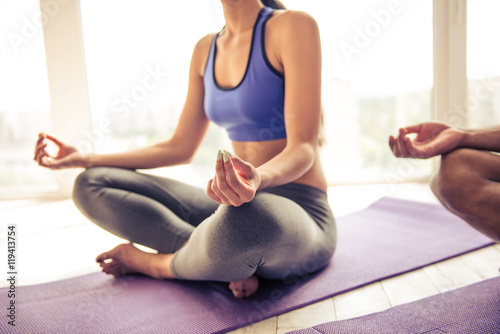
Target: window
[[483, 64], [24, 99]]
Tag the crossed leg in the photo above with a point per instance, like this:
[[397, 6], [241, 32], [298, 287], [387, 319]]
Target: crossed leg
[[271, 236], [127, 259], [156, 212], [468, 184]]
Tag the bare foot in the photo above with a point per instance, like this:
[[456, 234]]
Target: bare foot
[[126, 259], [244, 288]]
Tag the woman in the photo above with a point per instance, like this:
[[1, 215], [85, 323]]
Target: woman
[[266, 214]]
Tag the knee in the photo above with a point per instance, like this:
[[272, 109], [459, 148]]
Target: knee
[[456, 180], [85, 182], [249, 227]]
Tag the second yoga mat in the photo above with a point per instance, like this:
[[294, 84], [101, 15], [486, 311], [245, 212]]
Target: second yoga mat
[[473, 309], [389, 238]]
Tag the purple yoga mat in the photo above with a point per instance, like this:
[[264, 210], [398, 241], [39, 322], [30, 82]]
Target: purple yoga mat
[[472, 309], [388, 238]]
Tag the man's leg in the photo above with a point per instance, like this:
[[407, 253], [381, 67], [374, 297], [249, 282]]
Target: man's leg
[[468, 184]]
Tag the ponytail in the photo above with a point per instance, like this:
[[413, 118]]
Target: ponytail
[[274, 4]]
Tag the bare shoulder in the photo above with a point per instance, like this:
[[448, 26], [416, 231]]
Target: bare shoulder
[[201, 51], [204, 43], [293, 22]]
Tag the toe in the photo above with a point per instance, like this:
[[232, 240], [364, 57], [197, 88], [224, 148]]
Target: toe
[[101, 257], [238, 294]]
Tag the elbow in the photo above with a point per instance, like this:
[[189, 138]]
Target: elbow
[[187, 159], [177, 160], [309, 150], [185, 156]]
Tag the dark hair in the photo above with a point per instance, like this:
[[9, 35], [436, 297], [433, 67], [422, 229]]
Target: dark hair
[[275, 4]]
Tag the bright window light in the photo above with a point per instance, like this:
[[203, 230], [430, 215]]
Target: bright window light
[[24, 98], [378, 76], [483, 67]]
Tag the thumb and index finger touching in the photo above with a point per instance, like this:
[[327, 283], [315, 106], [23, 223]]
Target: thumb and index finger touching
[[55, 140]]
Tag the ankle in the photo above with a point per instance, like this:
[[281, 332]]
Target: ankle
[[162, 266]]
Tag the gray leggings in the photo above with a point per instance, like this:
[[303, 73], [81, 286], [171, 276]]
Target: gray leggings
[[284, 231]]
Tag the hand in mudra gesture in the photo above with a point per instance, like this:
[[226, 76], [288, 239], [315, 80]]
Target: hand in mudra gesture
[[432, 139], [67, 156], [235, 182]]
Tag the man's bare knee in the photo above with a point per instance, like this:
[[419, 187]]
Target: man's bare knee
[[463, 187], [453, 177], [456, 183]]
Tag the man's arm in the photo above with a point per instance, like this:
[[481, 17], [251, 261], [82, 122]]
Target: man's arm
[[483, 139]]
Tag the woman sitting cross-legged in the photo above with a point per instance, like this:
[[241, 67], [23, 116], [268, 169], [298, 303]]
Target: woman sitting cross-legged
[[265, 212]]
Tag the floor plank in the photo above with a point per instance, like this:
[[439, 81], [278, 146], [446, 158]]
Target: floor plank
[[451, 274], [308, 316], [408, 287], [369, 299], [267, 326], [484, 262]]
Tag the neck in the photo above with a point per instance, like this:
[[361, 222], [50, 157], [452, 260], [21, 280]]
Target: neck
[[240, 15]]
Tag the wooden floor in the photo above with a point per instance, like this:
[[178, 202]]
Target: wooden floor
[[55, 241]]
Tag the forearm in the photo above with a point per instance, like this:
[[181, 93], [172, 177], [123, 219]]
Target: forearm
[[158, 155], [289, 165], [482, 139]]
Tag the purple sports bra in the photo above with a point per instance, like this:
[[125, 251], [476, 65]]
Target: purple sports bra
[[253, 110]]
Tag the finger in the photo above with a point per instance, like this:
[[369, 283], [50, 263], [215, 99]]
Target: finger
[[212, 188], [219, 193], [55, 140], [419, 152], [242, 193], [400, 147], [210, 193], [413, 128], [220, 176], [410, 148], [47, 161], [392, 141], [241, 166], [220, 186], [40, 159], [234, 186], [39, 141], [394, 144], [39, 150], [41, 136]]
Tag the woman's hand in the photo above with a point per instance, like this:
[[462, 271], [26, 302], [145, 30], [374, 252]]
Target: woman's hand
[[235, 182], [66, 157], [432, 139]]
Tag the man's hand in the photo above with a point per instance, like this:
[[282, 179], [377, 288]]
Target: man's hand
[[432, 139]]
